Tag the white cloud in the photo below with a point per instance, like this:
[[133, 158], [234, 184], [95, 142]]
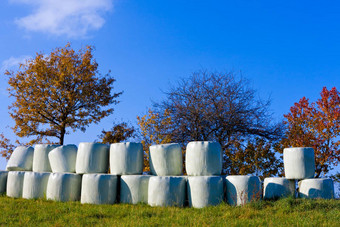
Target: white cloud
[[13, 62], [73, 18]]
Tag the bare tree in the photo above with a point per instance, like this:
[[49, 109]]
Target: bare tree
[[217, 106]]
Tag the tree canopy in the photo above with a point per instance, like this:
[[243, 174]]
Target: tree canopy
[[316, 125], [59, 91]]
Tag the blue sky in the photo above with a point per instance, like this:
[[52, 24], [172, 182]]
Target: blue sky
[[288, 49]]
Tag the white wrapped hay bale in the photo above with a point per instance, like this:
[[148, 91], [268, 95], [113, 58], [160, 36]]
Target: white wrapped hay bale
[[166, 159], [15, 181], [134, 188], [205, 191], [3, 181], [92, 158], [21, 159], [99, 188], [243, 189], [126, 158], [63, 159], [299, 162], [35, 185], [40, 158], [203, 158], [64, 187], [322, 188], [278, 187], [167, 191]]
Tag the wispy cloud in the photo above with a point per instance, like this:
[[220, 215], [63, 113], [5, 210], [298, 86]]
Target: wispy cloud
[[72, 18], [13, 62]]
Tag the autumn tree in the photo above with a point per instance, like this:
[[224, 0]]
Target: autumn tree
[[118, 133], [214, 106], [59, 91], [316, 125]]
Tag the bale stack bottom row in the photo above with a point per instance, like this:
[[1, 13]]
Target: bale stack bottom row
[[81, 174]]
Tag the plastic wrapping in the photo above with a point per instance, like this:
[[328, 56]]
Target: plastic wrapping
[[167, 191], [203, 158], [35, 185], [92, 158], [299, 162], [64, 187], [322, 188], [63, 159], [40, 158], [99, 188], [134, 188], [126, 158], [278, 187], [166, 159], [21, 159], [15, 181], [243, 189], [3, 181], [205, 191]]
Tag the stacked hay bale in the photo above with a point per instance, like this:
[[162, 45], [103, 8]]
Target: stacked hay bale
[[63, 184], [205, 183], [20, 162], [35, 183], [126, 161], [98, 187], [167, 187], [204, 167], [299, 165]]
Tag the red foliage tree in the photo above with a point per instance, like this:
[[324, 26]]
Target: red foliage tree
[[316, 125]]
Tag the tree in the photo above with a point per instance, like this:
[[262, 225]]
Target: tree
[[316, 125], [119, 132], [59, 91], [213, 106]]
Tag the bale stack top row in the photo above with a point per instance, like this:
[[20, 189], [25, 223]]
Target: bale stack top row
[[202, 159]]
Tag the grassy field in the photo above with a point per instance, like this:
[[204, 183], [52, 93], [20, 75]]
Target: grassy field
[[21, 212]]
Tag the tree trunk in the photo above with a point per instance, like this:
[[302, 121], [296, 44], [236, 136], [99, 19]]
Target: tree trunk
[[62, 135]]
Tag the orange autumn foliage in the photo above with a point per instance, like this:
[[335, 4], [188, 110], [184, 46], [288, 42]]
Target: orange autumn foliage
[[56, 92]]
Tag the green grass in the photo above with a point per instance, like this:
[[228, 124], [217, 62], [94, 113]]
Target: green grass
[[21, 212]]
